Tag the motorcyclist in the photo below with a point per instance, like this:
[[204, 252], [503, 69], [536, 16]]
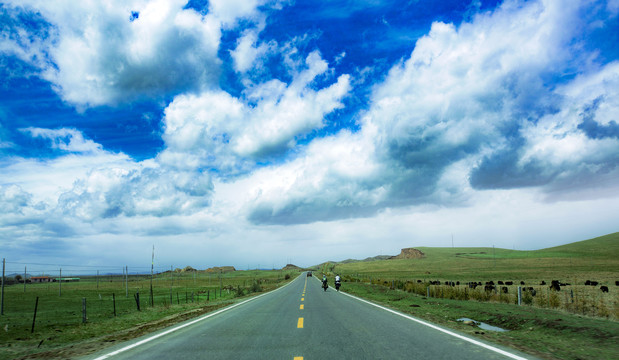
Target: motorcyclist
[[324, 281], [337, 278], [337, 282]]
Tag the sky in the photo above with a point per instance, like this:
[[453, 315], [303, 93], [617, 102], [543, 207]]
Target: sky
[[256, 133]]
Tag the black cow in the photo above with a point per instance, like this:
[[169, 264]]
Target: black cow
[[604, 288], [555, 285], [504, 289], [489, 288], [499, 282], [522, 283], [543, 283], [616, 283], [509, 283]]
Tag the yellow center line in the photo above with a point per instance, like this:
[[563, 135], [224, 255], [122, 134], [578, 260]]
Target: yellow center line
[[300, 323], [302, 299], [298, 358], [301, 308]]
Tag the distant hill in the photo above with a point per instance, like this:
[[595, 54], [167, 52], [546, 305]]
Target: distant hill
[[575, 262], [217, 269], [291, 267], [602, 246]]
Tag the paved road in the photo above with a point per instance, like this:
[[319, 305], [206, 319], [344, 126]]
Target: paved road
[[301, 321]]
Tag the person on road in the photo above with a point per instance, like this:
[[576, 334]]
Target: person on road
[[324, 282], [337, 278]]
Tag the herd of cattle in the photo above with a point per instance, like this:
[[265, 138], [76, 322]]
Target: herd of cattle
[[490, 286]]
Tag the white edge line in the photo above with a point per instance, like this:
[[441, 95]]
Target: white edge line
[[141, 342], [472, 341]]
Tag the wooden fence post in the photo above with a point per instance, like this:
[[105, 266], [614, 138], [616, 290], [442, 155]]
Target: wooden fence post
[[83, 310], [36, 305], [114, 301]]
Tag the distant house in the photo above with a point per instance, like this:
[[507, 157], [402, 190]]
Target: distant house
[[40, 279]]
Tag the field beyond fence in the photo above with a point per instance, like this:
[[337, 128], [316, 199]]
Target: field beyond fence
[[95, 307]]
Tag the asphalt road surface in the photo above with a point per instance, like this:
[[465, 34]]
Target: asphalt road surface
[[301, 321]]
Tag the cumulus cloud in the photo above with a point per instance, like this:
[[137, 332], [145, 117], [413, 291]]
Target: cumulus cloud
[[98, 53], [466, 111], [69, 140], [216, 130], [110, 52], [148, 191]]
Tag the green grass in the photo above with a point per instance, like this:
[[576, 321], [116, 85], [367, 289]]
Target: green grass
[[595, 259], [60, 333]]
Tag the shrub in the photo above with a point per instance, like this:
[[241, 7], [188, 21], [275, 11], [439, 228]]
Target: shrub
[[287, 277]]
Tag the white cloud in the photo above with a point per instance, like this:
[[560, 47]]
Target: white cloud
[[69, 140], [99, 55], [223, 132], [464, 97]]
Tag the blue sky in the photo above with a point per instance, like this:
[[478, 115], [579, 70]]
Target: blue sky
[[260, 132]]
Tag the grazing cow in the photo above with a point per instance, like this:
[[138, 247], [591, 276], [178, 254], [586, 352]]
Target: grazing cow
[[543, 283], [489, 288], [588, 282], [418, 281], [555, 285], [504, 289], [604, 288], [616, 283], [509, 283], [490, 282], [522, 283], [458, 283], [594, 283], [499, 282]]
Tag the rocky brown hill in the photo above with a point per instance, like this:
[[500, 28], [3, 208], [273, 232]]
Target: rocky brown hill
[[291, 267], [217, 269], [409, 253]]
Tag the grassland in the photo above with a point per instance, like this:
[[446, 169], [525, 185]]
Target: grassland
[[60, 333], [577, 322]]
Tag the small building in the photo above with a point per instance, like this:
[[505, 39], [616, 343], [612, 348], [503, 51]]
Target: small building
[[40, 279]]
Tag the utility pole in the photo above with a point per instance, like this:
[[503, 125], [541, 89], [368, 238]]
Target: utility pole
[[126, 281], [25, 272], [2, 301], [60, 283], [152, 265]]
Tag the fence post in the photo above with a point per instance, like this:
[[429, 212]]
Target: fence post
[[137, 299], [208, 295], [36, 305], [428, 291], [519, 295], [2, 301], [114, 301], [83, 310]]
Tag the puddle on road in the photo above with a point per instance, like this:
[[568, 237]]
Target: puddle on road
[[483, 325]]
